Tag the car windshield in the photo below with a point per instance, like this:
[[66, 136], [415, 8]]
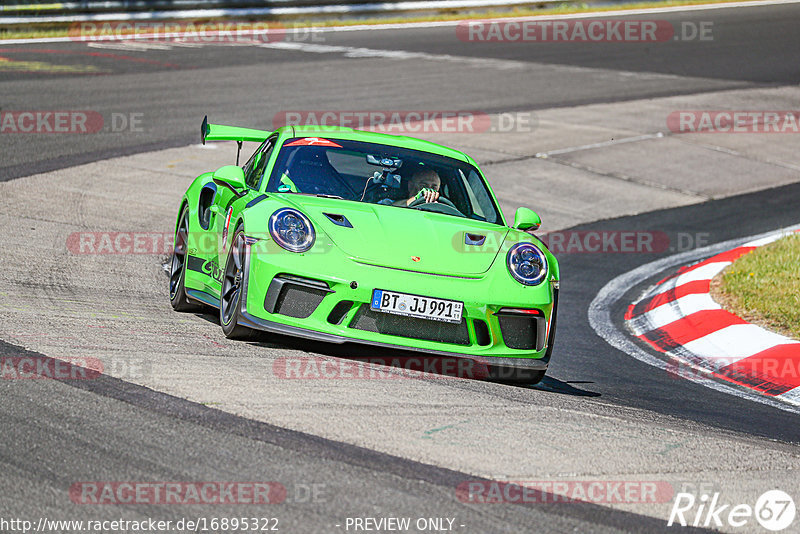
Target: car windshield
[[381, 174]]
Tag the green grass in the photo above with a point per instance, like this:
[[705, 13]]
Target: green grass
[[764, 286], [560, 9]]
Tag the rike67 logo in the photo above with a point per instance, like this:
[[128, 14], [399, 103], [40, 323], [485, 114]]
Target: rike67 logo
[[774, 510]]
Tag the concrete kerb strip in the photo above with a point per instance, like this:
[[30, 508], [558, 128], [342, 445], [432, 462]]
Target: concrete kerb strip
[[696, 365]]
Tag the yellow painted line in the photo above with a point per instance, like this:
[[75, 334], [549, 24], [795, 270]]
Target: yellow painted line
[[35, 7], [10, 65]]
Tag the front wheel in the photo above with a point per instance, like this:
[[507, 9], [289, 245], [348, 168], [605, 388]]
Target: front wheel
[[230, 299], [177, 267]]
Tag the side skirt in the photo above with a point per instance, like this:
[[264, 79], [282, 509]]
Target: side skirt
[[202, 296]]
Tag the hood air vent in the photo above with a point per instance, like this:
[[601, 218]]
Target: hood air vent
[[338, 219]]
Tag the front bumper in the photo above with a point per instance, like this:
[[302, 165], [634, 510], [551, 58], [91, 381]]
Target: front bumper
[[535, 364], [337, 314]]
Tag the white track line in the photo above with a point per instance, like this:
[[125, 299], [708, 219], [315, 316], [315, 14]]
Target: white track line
[[361, 52], [450, 23], [602, 144]]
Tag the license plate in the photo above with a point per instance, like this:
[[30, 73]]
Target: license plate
[[417, 306]]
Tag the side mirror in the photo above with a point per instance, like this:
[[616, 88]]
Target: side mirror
[[230, 176], [526, 219]]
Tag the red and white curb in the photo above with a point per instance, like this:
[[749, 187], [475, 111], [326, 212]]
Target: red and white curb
[[695, 338], [678, 318]]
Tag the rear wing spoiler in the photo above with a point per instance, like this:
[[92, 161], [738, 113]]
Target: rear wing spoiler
[[219, 132]]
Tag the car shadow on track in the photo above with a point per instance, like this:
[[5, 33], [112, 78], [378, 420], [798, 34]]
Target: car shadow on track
[[366, 362], [555, 385]]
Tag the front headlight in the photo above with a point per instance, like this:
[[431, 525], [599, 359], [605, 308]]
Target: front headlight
[[527, 264], [291, 230]]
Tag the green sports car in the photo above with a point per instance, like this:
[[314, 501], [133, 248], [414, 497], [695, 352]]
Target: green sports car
[[348, 236]]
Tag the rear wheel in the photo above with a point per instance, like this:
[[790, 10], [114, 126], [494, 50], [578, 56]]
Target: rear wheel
[[177, 267], [230, 299]]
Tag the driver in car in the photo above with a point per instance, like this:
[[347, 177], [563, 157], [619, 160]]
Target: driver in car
[[425, 183]]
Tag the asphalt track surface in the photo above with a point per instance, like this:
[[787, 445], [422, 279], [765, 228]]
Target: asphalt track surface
[[58, 432], [171, 88]]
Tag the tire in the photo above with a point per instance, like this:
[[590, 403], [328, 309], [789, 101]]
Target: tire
[[230, 295], [177, 271]]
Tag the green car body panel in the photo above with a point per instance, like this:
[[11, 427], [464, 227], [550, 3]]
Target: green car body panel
[[408, 251]]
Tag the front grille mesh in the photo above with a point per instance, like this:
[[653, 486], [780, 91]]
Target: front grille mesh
[[519, 332], [298, 301], [410, 327]]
